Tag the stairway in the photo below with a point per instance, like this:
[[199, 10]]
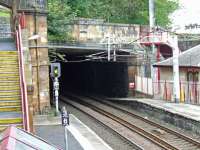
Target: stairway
[[10, 98]]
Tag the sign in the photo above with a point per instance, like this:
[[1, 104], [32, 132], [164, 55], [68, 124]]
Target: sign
[[192, 26], [65, 118], [131, 85]]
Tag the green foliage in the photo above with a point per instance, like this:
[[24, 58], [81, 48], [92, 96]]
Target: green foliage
[[163, 9], [60, 15], [61, 12], [4, 12], [124, 11]]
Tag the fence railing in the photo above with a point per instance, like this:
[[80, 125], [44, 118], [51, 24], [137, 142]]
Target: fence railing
[[95, 45], [189, 91], [5, 31], [163, 90], [6, 3], [35, 5], [23, 88]]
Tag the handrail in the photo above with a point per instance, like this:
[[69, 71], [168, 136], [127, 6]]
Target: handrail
[[25, 109]]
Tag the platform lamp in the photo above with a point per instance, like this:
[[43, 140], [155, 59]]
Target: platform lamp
[[173, 43]]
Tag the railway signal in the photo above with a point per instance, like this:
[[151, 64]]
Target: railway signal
[[55, 74]]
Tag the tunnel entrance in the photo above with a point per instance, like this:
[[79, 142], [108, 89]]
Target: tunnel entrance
[[92, 76]]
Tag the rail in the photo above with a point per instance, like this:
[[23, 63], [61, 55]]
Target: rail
[[173, 139], [147, 135], [171, 131], [25, 109]]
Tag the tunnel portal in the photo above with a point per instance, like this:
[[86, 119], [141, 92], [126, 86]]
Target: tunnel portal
[[93, 77]]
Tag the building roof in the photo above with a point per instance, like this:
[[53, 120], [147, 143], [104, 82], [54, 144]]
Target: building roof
[[188, 58], [18, 139]]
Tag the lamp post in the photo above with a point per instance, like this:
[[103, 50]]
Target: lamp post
[[109, 46], [152, 25], [176, 70], [173, 43]]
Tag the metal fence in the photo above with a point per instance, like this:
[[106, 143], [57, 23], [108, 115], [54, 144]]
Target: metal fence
[[189, 91], [163, 90], [6, 2], [39, 5], [5, 30]]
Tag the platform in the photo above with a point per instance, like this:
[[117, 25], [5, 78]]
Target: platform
[[80, 137], [186, 116]]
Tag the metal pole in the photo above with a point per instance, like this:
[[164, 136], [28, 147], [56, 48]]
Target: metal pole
[[108, 47], [152, 25], [66, 138], [176, 84], [151, 14], [65, 123], [56, 88], [114, 54]]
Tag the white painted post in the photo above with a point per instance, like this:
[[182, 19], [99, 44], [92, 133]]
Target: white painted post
[[56, 92], [114, 54], [151, 14], [152, 25], [66, 138], [176, 84], [108, 47], [65, 123]]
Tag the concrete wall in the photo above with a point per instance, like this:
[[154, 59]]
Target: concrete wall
[[91, 30]]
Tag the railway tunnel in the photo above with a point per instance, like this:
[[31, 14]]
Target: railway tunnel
[[93, 76]]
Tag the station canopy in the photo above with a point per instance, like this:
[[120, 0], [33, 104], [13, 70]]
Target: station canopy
[[17, 139]]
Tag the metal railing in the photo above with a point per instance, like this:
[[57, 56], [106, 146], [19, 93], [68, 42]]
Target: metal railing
[[23, 88], [78, 44], [94, 45], [34, 5], [6, 3], [5, 31], [189, 91]]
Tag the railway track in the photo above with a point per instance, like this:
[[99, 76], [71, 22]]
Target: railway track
[[164, 137], [83, 109]]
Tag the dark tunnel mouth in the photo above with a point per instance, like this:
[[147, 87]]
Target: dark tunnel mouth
[[109, 79]]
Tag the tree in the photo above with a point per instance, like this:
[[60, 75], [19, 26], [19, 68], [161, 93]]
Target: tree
[[124, 11], [60, 15], [61, 12], [163, 10]]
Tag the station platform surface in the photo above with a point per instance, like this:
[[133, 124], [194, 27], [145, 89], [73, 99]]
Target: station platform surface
[[80, 137], [187, 110]]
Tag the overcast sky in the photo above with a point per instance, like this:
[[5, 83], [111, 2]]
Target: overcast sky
[[187, 14]]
